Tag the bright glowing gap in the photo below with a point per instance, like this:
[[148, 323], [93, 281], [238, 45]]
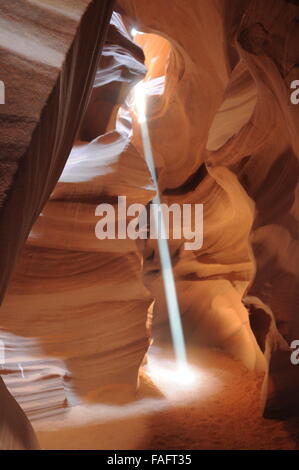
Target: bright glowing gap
[[134, 32]]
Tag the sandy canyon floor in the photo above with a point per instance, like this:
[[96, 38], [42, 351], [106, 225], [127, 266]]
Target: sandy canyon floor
[[219, 410]]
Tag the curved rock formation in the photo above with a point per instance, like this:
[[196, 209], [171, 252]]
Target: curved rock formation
[[228, 91], [15, 430], [47, 81], [77, 303]]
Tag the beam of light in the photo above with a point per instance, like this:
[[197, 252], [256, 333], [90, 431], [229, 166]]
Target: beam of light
[[183, 371], [140, 103]]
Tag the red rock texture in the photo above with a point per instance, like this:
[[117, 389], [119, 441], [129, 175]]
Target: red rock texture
[[224, 134], [49, 53], [227, 91]]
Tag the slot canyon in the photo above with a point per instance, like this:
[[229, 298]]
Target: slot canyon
[[87, 346]]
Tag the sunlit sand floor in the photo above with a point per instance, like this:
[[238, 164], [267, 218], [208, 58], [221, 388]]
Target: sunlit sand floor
[[219, 409]]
